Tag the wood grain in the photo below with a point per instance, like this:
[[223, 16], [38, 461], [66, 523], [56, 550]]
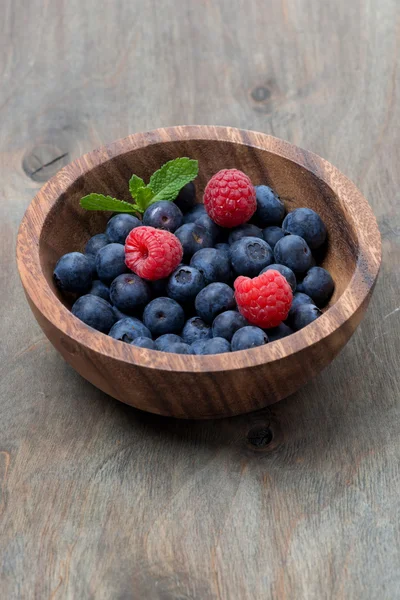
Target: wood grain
[[99, 500], [192, 386]]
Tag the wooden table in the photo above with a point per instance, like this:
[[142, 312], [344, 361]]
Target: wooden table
[[98, 500]]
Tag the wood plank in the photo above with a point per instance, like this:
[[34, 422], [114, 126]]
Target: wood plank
[[98, 500]]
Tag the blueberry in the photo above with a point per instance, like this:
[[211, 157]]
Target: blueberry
[[197, 211], [193, 237], [298, 299], [208, 224], [213, 264], [227, 323], [270, 210], [144, 342], [163, 315], [119, 227], [304, 315], [178, 348], [73, 273], [216, 345], [195, 329], [307, 224], [128, 329], [92, 262], [249, 255], [163, 215], [185, 283], [318, 284], [279, 332], [223, 246], [186, 198], [100, 289], [214, 299], [286, 272], [248, 337], [110, 262], [246, 230], [129, 293], [166, 340], [293, 252], [95, 312], [198, 346], [95, 243], [272, 235]]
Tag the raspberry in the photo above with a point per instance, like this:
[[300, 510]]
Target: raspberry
[[265, 300], [152, 253], [230, 198]]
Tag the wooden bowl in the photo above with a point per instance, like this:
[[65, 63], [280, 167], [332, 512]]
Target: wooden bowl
[[199, 386]]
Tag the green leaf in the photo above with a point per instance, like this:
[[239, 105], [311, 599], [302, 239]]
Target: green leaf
[[143, 198], [170, 179], [100, 202], [135, 183]]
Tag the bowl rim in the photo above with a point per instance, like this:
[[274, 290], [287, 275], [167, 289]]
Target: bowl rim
[[45, 301]]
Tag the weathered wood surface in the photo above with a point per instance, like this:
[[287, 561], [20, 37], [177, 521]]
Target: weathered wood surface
[[98, 500]]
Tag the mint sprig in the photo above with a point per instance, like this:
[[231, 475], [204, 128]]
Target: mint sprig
[[164, 184]]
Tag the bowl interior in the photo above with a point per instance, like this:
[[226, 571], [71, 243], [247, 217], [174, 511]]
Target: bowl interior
[[68, 227]]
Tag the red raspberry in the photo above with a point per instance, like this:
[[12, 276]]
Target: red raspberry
[[152, 253], [230, 198], [265, 300]]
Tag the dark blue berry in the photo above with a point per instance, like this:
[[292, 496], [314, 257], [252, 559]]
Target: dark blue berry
[[73, 273], [249, 256], [279, 332], [293, 252], [95, 243], [119, 227], [186, 198], [223, 246], [128, 329], [110, 262], [272, 235], [208, 224], [214, 299], [318, 284], [270, 210], [198, 346], [304, 315], [144, 342], [217, 345], [246, 230], [197, 211], [213, 264], [163, 215], [163, 315], [298, 299], [285, 271], [129, 293], [95, 312], [166, 340], [227, 323], [185, 283], [307, 224], [92, 261], [195, 329], [178, 348], [100, 289], [248, 337], [193, 237]]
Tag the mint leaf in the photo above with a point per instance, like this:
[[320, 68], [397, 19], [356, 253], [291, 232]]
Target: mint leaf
[[144, 197], [100, 202], [135, 183], [170, 179]]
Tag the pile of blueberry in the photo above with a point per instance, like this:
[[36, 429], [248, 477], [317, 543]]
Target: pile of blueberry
[[194, 309]]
